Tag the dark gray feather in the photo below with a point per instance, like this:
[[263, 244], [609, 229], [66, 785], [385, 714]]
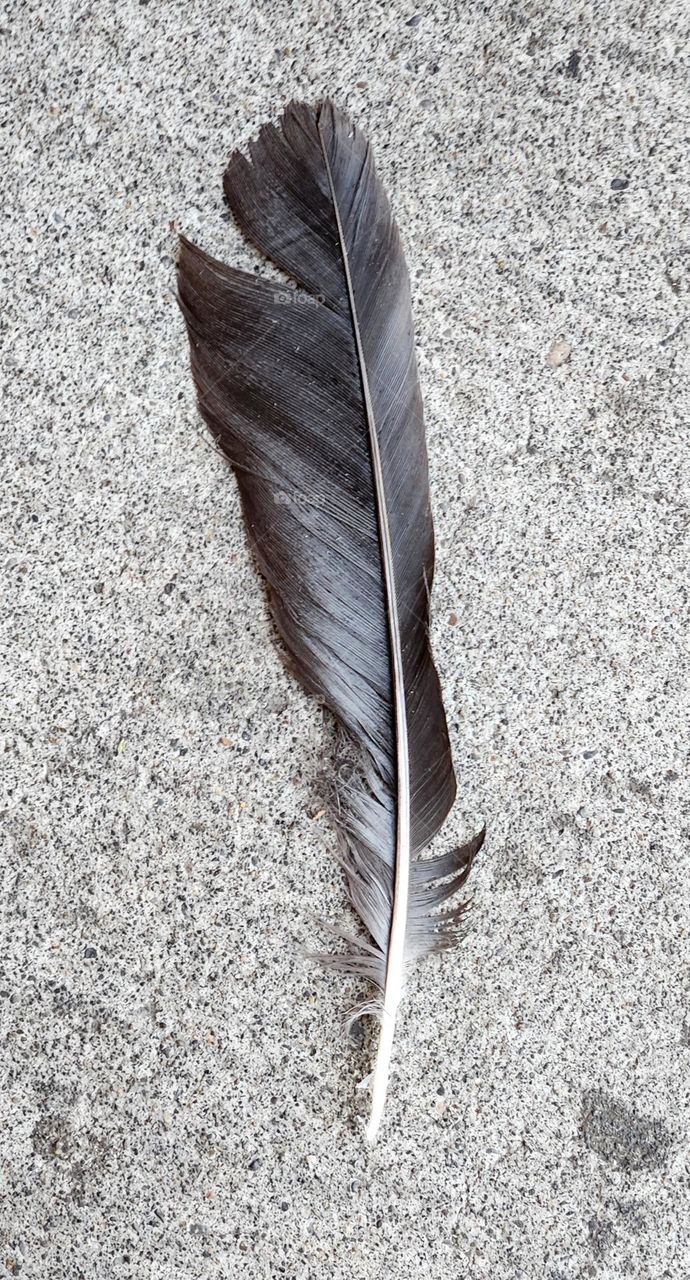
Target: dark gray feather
[[292, 392]]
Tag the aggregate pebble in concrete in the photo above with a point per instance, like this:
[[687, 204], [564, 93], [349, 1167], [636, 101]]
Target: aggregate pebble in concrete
[[177, 1097]]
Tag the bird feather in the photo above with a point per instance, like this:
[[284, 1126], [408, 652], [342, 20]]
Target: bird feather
[[313, 395]]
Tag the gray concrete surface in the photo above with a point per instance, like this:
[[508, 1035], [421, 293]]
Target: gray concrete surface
[[177, 1098]]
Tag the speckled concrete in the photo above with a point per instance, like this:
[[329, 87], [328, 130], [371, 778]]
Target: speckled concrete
[[177, 1100]]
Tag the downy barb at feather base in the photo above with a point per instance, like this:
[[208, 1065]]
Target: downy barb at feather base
[[320, 402]]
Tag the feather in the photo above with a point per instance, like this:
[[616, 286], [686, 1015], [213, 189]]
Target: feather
[[312, 393]]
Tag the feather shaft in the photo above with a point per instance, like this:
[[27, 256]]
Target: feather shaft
[[395, 957]]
